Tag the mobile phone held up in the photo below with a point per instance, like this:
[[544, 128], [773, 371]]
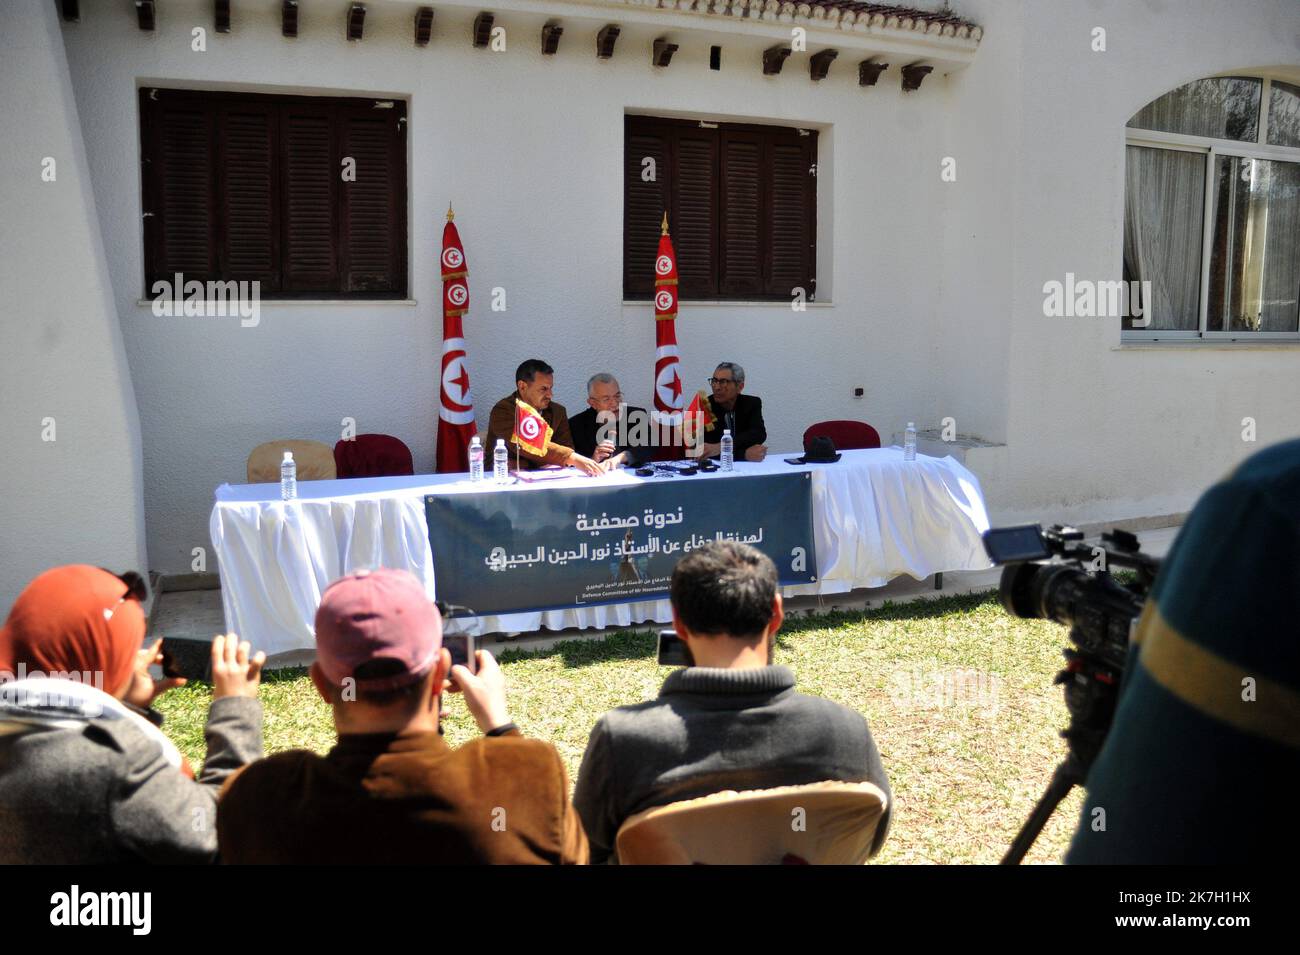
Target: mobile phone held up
[[462, 648], [673, 651]]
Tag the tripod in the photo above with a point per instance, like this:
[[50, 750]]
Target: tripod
[[1091, 691]]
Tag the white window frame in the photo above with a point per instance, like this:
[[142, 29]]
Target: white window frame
[[1212, 149]]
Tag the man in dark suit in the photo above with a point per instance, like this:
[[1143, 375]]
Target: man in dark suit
[[741, 413], [602, 420]]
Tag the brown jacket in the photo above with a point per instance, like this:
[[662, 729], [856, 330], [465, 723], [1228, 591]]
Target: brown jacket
[[406, 799], [501, 424]]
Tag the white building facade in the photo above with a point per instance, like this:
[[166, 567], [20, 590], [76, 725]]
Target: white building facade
[[942, 214]]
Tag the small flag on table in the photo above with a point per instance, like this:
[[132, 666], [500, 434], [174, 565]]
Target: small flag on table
[[699, 418], [532, 433]]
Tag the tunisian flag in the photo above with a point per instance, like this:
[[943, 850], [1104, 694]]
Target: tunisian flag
[[456, 412], [668, 379], [697, 420], [532, 433]]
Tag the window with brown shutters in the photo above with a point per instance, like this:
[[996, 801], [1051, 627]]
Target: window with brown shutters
[[741, 203], [240, 186]]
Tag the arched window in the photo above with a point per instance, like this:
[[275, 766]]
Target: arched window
[[1212, 211]]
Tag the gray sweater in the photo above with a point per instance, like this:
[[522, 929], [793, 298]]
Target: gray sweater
[[105, 793], [714, 729]]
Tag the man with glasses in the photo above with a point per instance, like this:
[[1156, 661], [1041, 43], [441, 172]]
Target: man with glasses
[[741, 413], [596, 431]]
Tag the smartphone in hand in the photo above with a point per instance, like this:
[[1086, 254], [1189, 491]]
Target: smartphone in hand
[[673, 651], [462, 648]]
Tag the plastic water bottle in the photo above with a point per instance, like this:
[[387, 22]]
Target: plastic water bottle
[[475, 459], [288, 478], [501, 463], [909, 443], [728, 450]]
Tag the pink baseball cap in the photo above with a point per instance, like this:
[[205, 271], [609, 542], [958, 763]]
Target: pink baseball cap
[[377, 614]]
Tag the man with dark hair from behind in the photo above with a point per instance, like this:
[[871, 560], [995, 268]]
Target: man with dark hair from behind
[[1207, 729], [730, 721], [534, 384]]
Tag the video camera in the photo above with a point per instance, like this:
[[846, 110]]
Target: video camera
[[1077, 591], [1055, 575]]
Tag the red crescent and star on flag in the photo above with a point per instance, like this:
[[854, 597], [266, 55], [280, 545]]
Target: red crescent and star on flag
[[668, 379], [456, 404]]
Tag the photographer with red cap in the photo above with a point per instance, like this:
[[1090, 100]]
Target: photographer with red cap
[[391, 789]]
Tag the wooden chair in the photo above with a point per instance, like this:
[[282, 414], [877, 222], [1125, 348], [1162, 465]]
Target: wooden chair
[[827, 823], [315, 461]]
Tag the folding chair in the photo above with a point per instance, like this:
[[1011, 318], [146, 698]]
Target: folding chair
[[826, 823]]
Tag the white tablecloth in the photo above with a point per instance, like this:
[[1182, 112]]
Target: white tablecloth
[[875, 517]]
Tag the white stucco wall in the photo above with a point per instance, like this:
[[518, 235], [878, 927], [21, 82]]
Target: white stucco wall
[[530, 150], [1095, 430], [77, 498], [934, 288]]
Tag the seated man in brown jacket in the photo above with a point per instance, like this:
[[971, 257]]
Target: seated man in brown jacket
[[391, 790], [534, 382]]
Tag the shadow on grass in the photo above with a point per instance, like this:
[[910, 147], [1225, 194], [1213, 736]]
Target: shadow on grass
[[642, 644]]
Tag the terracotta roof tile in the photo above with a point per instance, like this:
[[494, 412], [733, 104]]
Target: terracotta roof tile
[[888, 10]]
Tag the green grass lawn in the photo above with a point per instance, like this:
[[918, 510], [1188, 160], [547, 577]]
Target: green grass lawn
[[958, 694]]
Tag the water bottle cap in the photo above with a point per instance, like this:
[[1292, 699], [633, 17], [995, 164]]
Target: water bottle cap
[[726, 432], [474, 440], [911, 425], [501, 442], [288, 456]]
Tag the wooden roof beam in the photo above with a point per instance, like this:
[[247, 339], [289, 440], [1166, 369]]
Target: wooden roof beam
[[289, 18], [819, 64], [869, 72], [663, 52], [145, 14], [423, 25], [483, 29], [912, 76], [605, 41], [774, 59], [551, 33], [356, 21]]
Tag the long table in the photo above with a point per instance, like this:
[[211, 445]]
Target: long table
[[875, 517]]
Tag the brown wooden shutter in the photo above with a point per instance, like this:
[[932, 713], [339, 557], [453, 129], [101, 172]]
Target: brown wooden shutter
[[310, 176], [180, 227], [644, 203], [248, 177], [373, 208], [245, 186], [695, 211], [741, 241], [791, 211]]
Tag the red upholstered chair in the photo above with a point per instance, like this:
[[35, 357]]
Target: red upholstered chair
[[373, 455], [847, 435]]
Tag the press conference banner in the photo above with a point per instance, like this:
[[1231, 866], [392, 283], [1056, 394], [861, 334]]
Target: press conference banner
[[548, 548]]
